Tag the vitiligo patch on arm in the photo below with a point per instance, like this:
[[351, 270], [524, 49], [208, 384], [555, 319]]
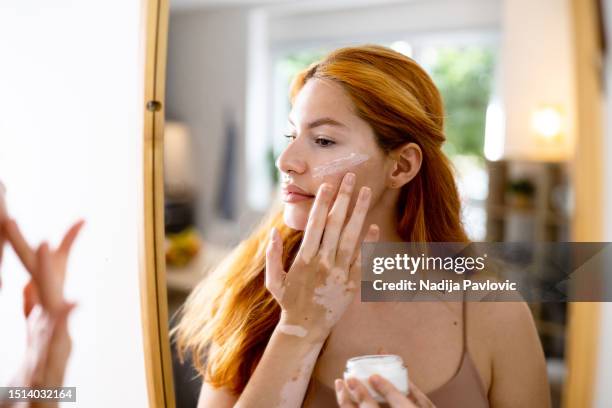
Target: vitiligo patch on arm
[[293, 330]]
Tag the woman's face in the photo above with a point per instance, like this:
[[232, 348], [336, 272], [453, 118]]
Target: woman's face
[[327, 140]]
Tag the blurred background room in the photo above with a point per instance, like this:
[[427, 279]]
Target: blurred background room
[[508, 75]]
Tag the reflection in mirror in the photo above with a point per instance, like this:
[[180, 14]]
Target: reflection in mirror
[[229, 75]]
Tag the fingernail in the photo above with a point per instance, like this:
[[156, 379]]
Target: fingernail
[[351, 383], [338, 385], [350, 179], [365, 192], [273, 234], [375, 379]]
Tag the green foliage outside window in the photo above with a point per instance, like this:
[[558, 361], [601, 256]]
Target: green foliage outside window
[[464, 77]]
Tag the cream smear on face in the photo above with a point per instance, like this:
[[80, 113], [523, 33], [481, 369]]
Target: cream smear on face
[[338, 165]]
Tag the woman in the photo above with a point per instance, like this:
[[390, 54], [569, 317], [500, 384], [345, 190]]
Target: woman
[[275, 324]]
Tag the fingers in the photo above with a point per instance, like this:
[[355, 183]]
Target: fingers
[[352, 231], [23, 250], [30, 298], [342, 395], [49, 346], [371, 236], [391, 394], [60, 346], [70, 236], [360, 394], [49, 284], [337, 215], [416, 395], [2, 242], [274, 265], [316, 224], [3, 218]]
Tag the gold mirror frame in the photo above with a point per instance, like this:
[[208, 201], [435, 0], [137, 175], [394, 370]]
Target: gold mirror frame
[[583, 328], [154, 304]]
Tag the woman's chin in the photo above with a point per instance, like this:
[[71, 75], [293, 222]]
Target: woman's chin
[[295, 218]]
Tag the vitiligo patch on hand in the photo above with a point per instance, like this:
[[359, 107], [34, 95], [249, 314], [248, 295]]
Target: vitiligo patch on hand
[[333, 296], [341, 164]]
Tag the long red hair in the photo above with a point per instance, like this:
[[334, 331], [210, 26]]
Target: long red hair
[[232, 308]]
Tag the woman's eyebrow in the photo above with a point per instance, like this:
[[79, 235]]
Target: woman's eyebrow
[[321, 122]]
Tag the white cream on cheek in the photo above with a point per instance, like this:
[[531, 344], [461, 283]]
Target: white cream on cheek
[[340, 164]]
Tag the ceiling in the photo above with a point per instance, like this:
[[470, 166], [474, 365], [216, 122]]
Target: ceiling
[[302, 5]]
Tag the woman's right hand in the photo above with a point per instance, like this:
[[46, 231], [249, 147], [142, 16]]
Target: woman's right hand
[[353, 393], [325, 274]]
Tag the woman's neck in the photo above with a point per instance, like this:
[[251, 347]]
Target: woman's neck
[[383, 214]]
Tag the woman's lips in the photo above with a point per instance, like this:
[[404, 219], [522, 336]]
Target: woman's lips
[[293, 194], [290, 197]]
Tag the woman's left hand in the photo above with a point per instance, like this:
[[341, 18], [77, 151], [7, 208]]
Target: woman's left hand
[[354, 387]]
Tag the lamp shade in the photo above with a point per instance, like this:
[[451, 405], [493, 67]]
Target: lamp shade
[[178, 175]]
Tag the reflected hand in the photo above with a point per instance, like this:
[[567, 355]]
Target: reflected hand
[[395, 399], [3, 218], [45, 286], [46, 310], [48, 339]]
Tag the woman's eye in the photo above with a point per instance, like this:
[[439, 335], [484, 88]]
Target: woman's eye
[[290, 137], [324, 142]]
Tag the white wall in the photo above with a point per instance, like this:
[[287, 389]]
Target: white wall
[[296, 23], [70, 146], [537, 69], [207, 60]]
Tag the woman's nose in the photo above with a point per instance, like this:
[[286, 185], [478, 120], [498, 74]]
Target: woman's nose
[[291, 159]]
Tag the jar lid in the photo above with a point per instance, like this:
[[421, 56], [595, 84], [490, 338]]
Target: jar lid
[[374, 359]]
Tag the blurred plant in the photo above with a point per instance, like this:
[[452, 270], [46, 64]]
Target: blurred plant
[[464, 77], [182, 247], [271, 160]]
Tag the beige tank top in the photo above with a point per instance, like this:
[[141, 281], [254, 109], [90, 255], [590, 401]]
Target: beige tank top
[[464, 389]]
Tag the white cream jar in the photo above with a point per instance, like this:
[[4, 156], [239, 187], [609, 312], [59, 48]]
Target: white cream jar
[[388, 366]]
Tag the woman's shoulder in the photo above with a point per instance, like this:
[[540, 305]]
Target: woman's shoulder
[[501, 317], [504, 329]]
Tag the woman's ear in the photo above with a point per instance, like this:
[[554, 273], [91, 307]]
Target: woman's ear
[[407, 161]]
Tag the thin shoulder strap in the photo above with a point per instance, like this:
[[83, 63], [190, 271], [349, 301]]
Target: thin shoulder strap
[[464, 321]]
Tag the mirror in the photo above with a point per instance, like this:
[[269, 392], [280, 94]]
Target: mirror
[[510, 136]]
